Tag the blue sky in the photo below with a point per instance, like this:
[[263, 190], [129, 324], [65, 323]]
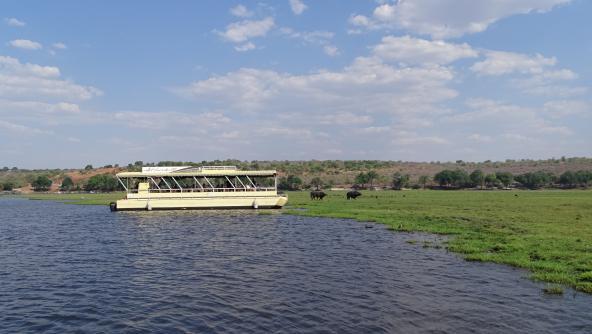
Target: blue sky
[[426, 80]]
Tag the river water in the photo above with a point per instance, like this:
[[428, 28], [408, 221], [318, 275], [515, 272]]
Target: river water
[[66, 268]]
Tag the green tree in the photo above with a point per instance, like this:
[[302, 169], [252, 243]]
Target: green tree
[[535, 180], [423, 180], [491, 180], [41, 183], [362, 179], [67, 184], [400, 181], [584, 178], [444, 178], [7, 186], [101, 182], [88, 167], [452, 178], [316, 182], [295, 182], [478, 178], [505, 178], [291, 182], [460, 178], [371, 175]]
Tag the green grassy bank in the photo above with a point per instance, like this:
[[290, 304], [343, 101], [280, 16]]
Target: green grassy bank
[[547, 232]]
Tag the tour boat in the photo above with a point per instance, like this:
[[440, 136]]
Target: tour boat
[[207, 187]]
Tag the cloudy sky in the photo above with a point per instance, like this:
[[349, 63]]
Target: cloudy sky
[[117, 81]]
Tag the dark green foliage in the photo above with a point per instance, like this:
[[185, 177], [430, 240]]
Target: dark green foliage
[[400, 181], [571, 179], [362, 179], [491, 180], [291, 182], [102, 182], [478, 178], [67, 184], [568, 179], [316, 182], [372, 176], [535, 180], [457, 178], [41, 183], [7, 186], [423, 180], [505, 178], [88, 167]]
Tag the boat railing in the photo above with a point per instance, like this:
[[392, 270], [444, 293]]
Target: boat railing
[[218, 168], [200, 190]]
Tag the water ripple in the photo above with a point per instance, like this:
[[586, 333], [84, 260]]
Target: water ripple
[[67, 268]]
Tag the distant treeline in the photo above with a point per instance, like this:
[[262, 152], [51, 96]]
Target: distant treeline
[[532, 174], [456, 179]]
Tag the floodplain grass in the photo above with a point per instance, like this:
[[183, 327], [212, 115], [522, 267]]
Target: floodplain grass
[[548, 232]]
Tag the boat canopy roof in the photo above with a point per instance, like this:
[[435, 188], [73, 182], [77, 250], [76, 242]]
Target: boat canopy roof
[[196, 171]]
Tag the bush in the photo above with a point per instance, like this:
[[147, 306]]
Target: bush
[[41, 183], [67, 184], [102, 182]]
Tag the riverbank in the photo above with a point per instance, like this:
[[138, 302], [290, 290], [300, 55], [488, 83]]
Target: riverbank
[[546, 232]]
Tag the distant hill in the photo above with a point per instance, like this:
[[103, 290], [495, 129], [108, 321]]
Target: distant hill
[[331, 172]]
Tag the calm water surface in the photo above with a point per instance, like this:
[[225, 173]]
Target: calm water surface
[[67, 268]]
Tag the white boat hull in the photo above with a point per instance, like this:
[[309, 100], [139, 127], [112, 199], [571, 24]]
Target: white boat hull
[[201, 201]]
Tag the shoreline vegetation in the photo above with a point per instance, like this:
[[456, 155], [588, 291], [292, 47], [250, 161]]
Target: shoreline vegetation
[[563, 173], [548, 232]]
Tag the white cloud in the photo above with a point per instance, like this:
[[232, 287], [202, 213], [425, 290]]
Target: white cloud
[[506, 118], [420, 51], [171, 120], [330, 111], [59, 45], [312, 37], [533, 74], [343, 118], [563, 108], [360, 20], [35, 81], [241, 11], [500, 62], [480, 138], [25, 44], [318, 37], [13, 22], [331, 50], [19, 129], [297, 6], [37, 107], [446, 19], [373, 130], [14, 66], [242, 31], [367, 84], [245, 47], [67, 107], [410, 138]]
